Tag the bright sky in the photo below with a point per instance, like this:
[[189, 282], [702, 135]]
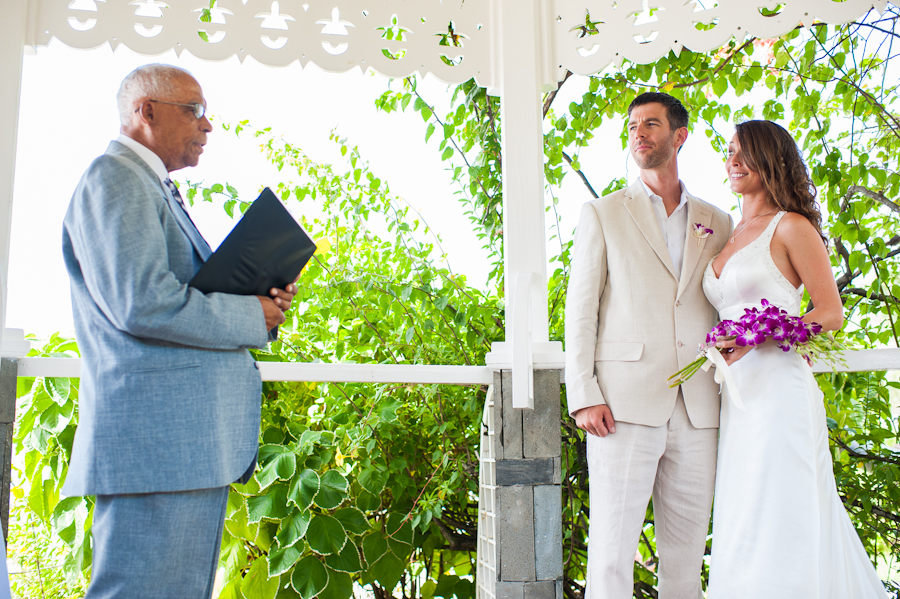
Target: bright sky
[[68, 116]]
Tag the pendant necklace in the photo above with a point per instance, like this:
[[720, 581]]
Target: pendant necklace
[[744, 228]]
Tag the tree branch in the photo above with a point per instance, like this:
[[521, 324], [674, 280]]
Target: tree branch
[[552, 95], [873, 195], [864, 456], [581, 174]]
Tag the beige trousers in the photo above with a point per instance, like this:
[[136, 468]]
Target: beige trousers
[[676, 463]]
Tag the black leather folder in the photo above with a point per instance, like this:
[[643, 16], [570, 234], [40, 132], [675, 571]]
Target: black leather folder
[[267, 248]]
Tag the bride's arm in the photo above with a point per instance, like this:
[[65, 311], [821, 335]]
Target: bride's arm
[[801, 256]]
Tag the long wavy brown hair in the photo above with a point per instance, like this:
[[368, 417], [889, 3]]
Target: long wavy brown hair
[[769, 150]]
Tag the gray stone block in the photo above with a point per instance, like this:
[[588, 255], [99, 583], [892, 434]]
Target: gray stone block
[[515, 529], [540, 471], [510, 590], [9, 369], [512, 420], [559, 589], [540, 427], [548, 532], [544, 589]]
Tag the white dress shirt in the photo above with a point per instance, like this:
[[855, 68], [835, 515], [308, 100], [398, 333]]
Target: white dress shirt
[[674, 226], [147, 155]]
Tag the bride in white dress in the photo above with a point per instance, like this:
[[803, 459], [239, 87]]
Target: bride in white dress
[[779, 527]]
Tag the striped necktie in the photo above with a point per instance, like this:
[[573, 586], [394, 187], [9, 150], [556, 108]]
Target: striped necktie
[[175, 194]]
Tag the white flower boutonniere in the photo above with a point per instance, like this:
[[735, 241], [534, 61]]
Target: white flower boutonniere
[[701, 232]]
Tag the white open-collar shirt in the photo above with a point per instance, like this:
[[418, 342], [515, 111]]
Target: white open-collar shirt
[[674, 226]]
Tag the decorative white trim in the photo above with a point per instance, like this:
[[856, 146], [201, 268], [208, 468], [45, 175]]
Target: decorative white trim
[[339, 35], [336, 35], [626, 30]]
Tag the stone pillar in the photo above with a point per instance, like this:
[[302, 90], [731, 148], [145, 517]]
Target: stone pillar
[[8, 372], [525, 494]]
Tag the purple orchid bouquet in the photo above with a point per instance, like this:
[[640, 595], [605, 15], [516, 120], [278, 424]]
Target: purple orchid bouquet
[[757, 326]]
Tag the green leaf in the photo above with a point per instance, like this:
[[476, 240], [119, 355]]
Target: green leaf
[[429, 131], [278, 462], [448, 152], [374, 546], [368, 501], [303, 489], [399, 535], [325, 535], [345, 561], [68, 520], [332, 490], [58, 388], [55, 418], [340, 586], [445, 586], [387, 411], [293, 528], [310, 577], [372, 480], [387, 570], [720, 85], [271, 506], [353, 520], [283, 559], [238, 525], [257, 584]]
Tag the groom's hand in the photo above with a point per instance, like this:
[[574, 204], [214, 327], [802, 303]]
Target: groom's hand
[[596, 420]]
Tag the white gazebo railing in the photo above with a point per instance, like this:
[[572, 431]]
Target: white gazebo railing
[[515, 48]]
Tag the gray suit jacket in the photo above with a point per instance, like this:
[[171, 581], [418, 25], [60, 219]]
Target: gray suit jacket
[[629, 322], [169, 396]]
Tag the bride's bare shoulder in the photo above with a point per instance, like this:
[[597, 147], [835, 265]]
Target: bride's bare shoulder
[[795, 231], [794, 223]]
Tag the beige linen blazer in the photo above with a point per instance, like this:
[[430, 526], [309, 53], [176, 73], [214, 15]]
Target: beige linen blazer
[[630, 323]]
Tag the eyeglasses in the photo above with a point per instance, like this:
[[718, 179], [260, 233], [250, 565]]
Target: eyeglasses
[[198, 109]]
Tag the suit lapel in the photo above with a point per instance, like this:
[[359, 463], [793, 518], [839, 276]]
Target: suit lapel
[[638, 205], [697, 213]]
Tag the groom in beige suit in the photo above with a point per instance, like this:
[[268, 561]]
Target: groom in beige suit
[[635, 313]]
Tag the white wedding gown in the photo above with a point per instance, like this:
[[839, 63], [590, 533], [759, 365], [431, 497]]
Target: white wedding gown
[[779, 527]]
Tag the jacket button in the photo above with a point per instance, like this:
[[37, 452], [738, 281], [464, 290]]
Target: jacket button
[[678, 304], [680, 344]]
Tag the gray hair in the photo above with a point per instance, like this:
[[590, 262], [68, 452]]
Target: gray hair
[[156, 81]]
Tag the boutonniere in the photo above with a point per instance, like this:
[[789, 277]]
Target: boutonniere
[[701, 232]]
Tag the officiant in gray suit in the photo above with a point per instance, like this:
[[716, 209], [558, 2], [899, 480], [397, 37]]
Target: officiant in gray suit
[[170, 396]]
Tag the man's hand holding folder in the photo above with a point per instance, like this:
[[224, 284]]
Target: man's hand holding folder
[[273, 307]]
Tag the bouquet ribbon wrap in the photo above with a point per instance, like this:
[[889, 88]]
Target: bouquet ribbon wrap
[[724, 376]]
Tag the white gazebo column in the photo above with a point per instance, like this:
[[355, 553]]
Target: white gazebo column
[[518, 45], [521, 554], [13, 19]]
